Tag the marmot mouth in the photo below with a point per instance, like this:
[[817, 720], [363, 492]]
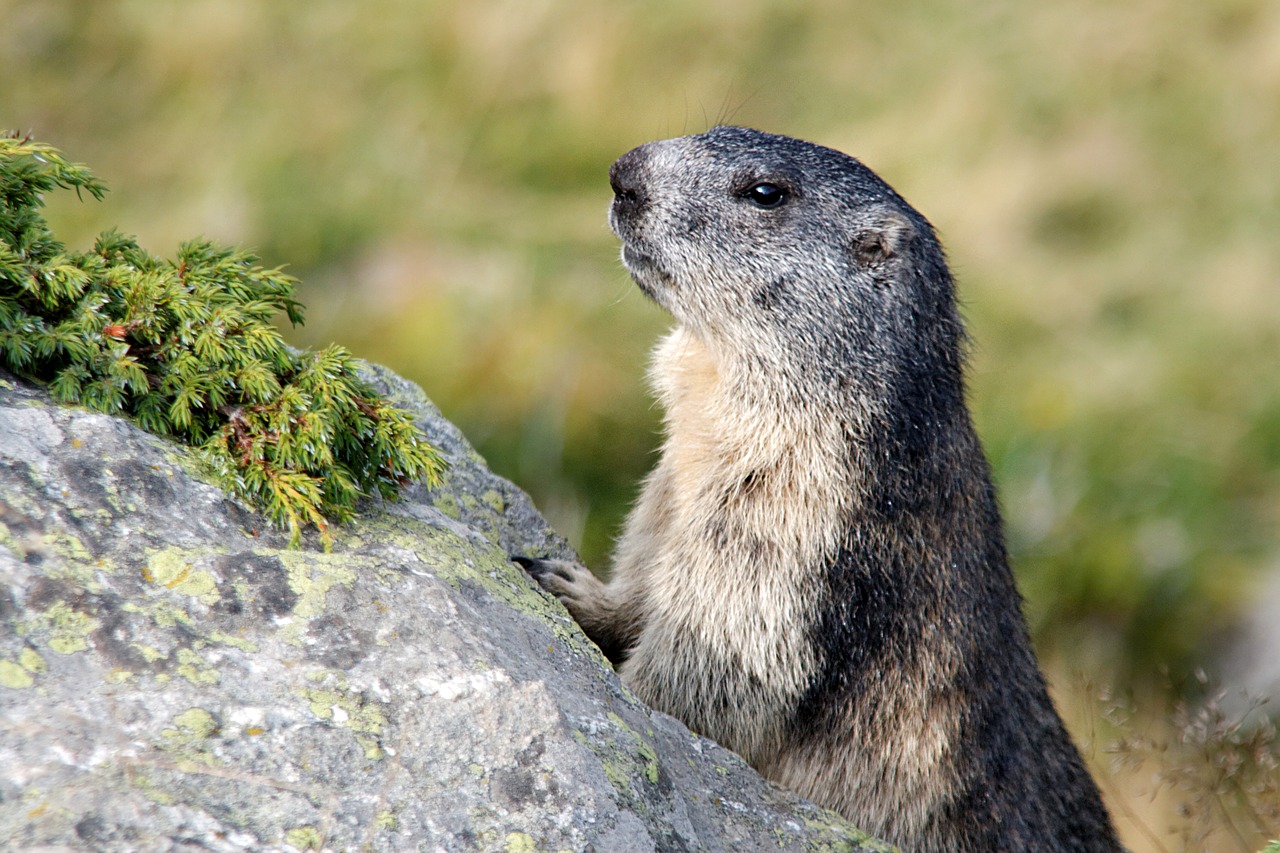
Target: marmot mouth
[[645, 270]]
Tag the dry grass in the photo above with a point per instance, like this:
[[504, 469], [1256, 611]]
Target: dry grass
[[1203, 775]]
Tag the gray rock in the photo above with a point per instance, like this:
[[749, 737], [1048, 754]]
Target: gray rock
[[174, 677]]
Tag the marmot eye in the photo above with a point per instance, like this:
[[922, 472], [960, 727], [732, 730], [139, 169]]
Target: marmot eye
[[766, 194]]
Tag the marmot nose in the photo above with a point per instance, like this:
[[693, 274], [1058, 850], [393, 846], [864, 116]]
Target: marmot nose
[[626, 178]]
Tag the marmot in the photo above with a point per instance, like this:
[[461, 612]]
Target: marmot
[[815, 573]]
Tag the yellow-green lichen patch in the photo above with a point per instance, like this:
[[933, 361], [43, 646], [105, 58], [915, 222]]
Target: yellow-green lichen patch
[[650, 762], [474, 510], [175, 569], [77, 565], [348, 709], [189, 729], [520, 842], [195, 669], [188, 739], [113, 492], [244, 591], [618, 774], [311, 576], [447, 504], [351, 710], [70, 628], [162, 614], [626, 758], [304, 838], [30, 660], [14, 676], [68, 546], [387, 820], [229, 640], [150, 788], [196, 721], [494, 500], [646, 753], [837, 836], [149, 654], [22, 506], [118, 676], [372, 747]]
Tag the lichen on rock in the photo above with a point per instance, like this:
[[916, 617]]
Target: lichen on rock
[[173, 674]]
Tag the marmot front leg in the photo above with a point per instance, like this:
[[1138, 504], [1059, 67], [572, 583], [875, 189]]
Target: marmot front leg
[[593, 604]]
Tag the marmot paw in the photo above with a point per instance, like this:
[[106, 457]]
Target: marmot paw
[[565, 580]]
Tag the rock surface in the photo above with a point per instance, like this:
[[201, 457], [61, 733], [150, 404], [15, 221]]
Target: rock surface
[[174, 677]]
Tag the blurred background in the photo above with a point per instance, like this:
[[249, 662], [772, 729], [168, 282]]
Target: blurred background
[[1106, 177]]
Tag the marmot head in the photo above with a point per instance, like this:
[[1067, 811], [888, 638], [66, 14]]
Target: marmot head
[[795, 254]]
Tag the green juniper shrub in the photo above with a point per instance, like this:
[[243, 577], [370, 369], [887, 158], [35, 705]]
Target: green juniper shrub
[[187, 348]]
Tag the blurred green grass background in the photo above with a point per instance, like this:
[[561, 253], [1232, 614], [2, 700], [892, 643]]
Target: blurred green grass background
[[1106, 177]]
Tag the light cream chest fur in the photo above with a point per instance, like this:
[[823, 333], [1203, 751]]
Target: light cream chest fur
[[725, 548]]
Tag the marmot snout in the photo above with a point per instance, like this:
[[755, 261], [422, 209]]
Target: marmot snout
[[815, 573]]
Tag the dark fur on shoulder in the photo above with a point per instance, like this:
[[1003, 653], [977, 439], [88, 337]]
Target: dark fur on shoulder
[[815, 573]]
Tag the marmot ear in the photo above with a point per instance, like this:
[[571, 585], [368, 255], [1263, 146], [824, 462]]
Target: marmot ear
[[882, 238]]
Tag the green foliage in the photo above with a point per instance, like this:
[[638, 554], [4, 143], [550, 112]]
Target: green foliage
[[187, 348]]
